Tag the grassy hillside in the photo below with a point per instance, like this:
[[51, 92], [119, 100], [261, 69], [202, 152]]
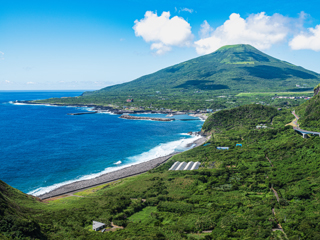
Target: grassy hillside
[[16, 220], [229, 70], [240, 118], [310, 113]]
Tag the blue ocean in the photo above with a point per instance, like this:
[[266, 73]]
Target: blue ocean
[[42, 147]]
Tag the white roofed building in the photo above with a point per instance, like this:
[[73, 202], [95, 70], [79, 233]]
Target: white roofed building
[[96, 226]]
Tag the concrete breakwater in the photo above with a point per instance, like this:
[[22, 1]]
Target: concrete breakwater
[[108, 177], [82, 113], [146, 118]]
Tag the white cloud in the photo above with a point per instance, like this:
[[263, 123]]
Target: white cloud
[[205, 30], [7, 81], [162, 32], [259, 30], [307, 40], [30, 83], [186, 10], [1, 55], [160, 48]]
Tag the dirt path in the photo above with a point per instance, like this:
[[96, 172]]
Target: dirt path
[[279, 227], [276, 194], [269, 161]]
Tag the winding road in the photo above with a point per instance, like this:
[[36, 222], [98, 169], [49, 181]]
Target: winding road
[[302, 131]]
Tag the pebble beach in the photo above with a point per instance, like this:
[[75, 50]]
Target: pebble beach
[[115, 175]]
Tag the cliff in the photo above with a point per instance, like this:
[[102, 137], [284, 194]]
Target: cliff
[[317, 89]]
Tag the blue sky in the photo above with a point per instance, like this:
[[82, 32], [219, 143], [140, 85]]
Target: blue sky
[[60, 45]]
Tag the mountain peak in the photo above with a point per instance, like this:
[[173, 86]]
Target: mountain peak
[[232, 69], [237, 47], [240, 54]]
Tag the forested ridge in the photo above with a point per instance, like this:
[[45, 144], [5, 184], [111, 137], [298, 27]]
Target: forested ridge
[[249, 192]]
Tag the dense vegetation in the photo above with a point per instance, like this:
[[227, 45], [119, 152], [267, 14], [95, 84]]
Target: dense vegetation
[[16, 220], [310, 113], [240, 118], [192, 85], [231, 196]]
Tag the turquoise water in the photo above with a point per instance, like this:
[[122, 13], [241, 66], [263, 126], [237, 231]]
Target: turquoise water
[[41, 147]]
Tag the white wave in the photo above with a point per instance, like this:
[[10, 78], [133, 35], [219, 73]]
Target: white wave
[[107, 112], [161, 150], [165, 149], [117, 163], [19, 103], [89, 109], [43, 190]]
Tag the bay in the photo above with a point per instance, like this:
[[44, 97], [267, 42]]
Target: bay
[[41, 147]]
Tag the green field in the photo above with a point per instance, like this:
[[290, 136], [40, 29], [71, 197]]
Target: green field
[[309, 93]]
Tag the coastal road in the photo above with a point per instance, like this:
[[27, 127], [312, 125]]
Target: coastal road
[[302, 131]]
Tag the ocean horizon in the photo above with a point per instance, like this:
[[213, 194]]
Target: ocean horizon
[[43, 148]]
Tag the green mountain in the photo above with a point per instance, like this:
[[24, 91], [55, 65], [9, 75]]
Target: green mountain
[[232, 68], [191, 85]]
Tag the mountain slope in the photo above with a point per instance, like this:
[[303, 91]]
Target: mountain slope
[[236, 68], [309, 112], [194, 84], [236, 118], [16, 220]]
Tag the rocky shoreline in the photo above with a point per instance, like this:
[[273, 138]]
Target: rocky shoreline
[[112, 110], [115, 175]]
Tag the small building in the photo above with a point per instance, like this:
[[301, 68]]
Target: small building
[[238, 145], [223, 148], [129, 100], [96, 226], [180, 166]]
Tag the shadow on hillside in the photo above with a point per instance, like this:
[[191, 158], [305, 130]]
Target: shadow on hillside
[[269, 72], [202, 85]]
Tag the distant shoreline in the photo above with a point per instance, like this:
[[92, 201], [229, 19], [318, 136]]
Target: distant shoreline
[[129, 171], [112, 110]]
